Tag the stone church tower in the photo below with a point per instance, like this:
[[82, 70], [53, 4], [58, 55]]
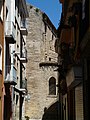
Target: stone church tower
[[41, 64]]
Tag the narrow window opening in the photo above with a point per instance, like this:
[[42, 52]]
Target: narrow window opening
[[52, 86]]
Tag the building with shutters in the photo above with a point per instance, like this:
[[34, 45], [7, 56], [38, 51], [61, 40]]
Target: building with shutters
[[41, 63], [15, 58], [84, 44], [73, 34], [1, 56]]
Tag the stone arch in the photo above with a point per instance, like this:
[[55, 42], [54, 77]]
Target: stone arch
[[52, 86], [51, 113]]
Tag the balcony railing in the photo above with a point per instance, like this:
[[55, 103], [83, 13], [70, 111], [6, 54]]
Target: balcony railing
[[24, 84], [23, 27], [23, 56], [10, 31], [11, 75]]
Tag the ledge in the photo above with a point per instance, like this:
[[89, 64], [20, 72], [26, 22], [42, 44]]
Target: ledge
[[10, 82], [52, 96], [48, 64]]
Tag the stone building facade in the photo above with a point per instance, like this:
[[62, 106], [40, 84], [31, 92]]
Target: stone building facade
[[41, 64]]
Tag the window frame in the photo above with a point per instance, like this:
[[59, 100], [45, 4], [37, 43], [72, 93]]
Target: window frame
[[52, 86]]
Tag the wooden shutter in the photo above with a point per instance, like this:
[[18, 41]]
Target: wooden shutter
[[79, 102]]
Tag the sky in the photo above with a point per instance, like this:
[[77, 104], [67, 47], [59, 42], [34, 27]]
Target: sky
[[52, 8]]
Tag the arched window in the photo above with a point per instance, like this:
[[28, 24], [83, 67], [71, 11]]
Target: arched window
[[52, 86]]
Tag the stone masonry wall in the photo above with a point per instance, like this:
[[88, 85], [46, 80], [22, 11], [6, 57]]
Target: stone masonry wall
[[40, 48]]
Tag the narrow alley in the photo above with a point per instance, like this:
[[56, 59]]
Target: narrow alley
[[44, 70]]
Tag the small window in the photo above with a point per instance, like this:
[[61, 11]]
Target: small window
[[49, 59], [52, 36], [0, 58], [6, 12], [52, 86], [45, 27]]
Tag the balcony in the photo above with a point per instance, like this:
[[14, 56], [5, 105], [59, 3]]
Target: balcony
[[23, 87], [11, 76], [10, 32], [66, 35], [78, 76], [23, 56], [24, 84], [23, 28], [67, 44]]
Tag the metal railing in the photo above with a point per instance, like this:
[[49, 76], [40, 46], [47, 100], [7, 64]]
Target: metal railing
[[24, 83], [23, 23], [24, 53], [11, 74], [10, 29]]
